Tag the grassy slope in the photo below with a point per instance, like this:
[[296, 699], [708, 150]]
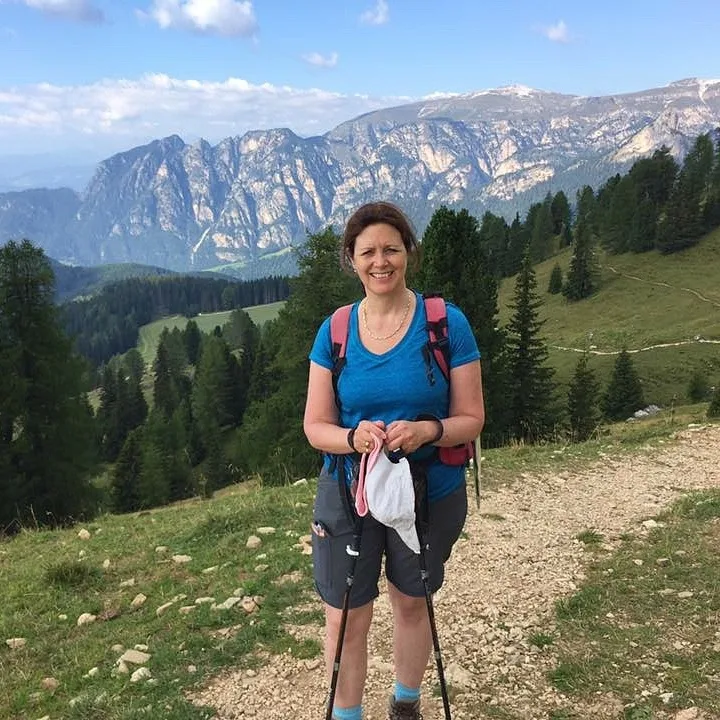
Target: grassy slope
[[150, 333], [50, 577], [658, 308]]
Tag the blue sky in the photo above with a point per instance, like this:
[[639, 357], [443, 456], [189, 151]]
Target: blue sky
[[85, 78]]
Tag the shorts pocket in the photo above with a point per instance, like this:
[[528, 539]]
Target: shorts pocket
[[332, 531]]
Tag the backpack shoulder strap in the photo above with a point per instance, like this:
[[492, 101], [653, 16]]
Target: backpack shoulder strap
[[437, 328], [339, 328]]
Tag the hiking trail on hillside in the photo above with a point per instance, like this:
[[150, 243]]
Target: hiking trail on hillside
[[520, 555]]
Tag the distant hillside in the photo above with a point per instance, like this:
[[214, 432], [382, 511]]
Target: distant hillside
[[645, 300], [75, 281]]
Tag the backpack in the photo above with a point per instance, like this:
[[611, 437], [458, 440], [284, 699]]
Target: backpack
[[437, 347]]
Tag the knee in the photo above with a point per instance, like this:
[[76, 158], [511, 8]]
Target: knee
[[356, 629], [410, 610]]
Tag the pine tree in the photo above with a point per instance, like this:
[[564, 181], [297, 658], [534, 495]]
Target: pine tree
[[531, 391], [541, 231], [47, 433], [560, 212], [493, 238], [272, 425], [582, 278], [712, 206], [555, 285], [583, 401], [517, 244], [455, 264], [126, 474], [684, 221], [193, 342], [624, 394]]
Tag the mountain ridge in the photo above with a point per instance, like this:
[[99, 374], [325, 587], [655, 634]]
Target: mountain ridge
[[193, 206]]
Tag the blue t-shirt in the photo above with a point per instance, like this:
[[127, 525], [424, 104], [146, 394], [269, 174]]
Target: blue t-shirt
[[395, 385]]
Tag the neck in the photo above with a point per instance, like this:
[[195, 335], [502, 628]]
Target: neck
[[385, 304]]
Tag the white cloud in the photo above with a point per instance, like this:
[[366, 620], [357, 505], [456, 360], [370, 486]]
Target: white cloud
[[326, 61], [557, 33], [113, 115], [82, 10], [211, 17], [378, 15]]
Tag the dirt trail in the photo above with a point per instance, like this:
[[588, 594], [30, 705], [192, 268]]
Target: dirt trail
[[502, 583]]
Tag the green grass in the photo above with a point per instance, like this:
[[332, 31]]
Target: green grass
[[643, 627], [502, 465], [207, 322], [638, 314], [50, 578]]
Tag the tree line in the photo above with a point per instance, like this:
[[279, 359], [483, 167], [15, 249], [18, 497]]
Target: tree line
[[108, 322], [220, 407]]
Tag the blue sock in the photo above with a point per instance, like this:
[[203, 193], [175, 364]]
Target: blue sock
[[403, 693], [351, 713]]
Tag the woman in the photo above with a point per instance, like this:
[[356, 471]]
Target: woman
[[382, 388]]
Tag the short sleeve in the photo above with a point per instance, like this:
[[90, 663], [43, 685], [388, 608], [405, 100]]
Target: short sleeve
[[321, 352], [463, 348]]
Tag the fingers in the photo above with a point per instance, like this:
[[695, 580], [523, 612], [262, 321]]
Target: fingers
[[403, 435], [366, 433]]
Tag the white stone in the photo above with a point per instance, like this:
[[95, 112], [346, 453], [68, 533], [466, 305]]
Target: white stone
[[138, 600], [128, 583], [267, 530], [161, 549], [135, 657], [106, 563], [84, 534], [140, 674], [253, 542], [86, 619], [16, 643], [227, 604], [166, 606], [180, 559]]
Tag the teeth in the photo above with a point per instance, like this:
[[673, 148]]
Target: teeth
[[381, 275]]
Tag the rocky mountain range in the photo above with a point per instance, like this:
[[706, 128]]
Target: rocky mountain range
[[243, 203]]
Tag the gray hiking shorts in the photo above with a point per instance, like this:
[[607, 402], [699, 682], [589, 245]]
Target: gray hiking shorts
[[332, 533]]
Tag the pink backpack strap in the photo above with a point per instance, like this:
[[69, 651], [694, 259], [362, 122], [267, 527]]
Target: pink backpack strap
[[339, 326], [437, 328]]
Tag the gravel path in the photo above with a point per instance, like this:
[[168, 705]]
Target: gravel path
[[501, 586]]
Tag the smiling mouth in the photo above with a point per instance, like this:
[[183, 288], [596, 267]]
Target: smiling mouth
[[382, 275]]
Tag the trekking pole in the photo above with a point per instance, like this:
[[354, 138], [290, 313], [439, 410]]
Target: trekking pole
[[353, 551], [433, 627], [477, 469]]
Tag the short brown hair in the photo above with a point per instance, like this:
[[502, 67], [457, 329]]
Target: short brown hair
[[377, 213]]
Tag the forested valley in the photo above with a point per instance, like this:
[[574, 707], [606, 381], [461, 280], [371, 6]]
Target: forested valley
[[86, 426]]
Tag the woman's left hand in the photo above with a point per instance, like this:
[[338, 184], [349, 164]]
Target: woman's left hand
[[407, 436]]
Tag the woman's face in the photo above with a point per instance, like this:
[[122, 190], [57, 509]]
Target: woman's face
[[380, 259]]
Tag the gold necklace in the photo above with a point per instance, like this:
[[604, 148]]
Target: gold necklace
[[395, 331]]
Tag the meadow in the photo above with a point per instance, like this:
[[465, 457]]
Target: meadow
[[187, 585]]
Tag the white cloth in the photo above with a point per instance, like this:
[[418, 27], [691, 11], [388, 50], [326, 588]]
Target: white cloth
[[390, 496]]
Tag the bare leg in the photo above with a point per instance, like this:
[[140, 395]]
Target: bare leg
[[353, 663], [412, 640]]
